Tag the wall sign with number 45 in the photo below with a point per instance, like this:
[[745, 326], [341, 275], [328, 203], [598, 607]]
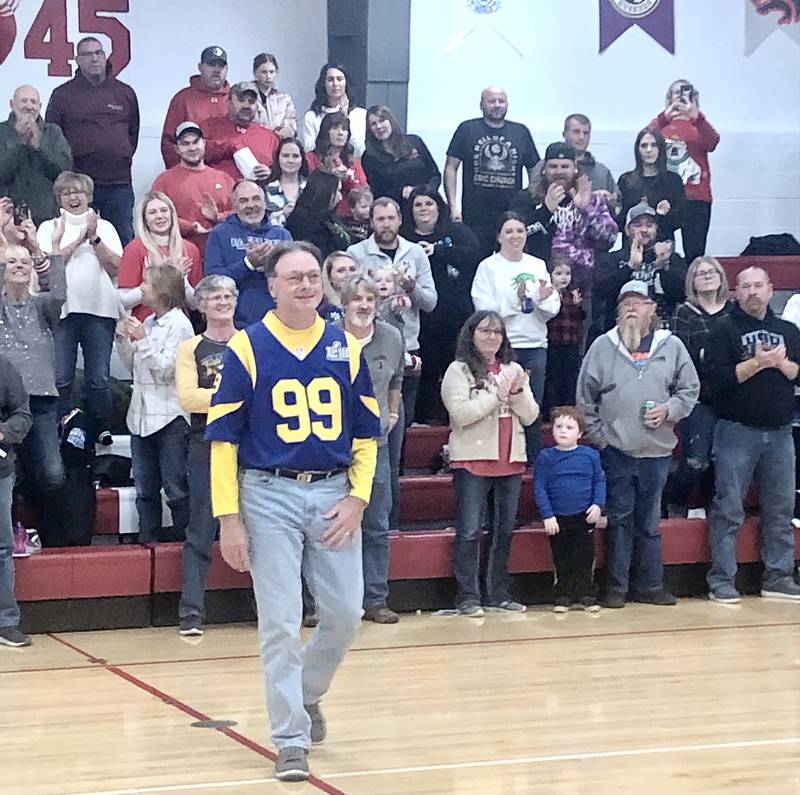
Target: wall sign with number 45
[[48, 39]]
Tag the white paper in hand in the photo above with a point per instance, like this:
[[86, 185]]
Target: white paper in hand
[[245, 161]]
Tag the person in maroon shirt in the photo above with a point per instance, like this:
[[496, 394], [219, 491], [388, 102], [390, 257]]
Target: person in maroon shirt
[[226, 136], [99, 116]]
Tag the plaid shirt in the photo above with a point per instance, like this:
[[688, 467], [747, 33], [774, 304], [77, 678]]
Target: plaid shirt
[[565, 328]]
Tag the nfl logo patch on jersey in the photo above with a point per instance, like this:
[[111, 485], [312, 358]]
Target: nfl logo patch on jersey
[[337, 352]]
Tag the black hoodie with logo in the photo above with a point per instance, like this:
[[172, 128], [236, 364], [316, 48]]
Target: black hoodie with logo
[[767, 399]]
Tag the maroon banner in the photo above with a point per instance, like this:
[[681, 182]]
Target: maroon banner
[[654, 17]]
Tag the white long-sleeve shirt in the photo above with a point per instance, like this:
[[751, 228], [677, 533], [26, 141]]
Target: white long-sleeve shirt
[[495, 287], [154, 403]]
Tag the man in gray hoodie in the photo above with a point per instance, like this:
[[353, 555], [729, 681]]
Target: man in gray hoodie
[[637, 381]]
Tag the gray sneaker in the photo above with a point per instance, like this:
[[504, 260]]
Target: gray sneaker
[[470, 611], [319, 729], [292, 764], [14, 636], [785, 588], [725, 594], [506, 606]]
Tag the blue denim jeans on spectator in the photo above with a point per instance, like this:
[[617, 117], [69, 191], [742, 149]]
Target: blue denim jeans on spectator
[[534, 360], [95, 335], [633, 505], [697, 434], [471, 493], [395, 444], [200, 532], [283, 519], [375, 534], [743, 454], [9, 609], [159, 461], [114, 203]]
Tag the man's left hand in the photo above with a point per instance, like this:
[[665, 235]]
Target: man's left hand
[[583, 193], [654, 417], [408, 282], [663, 251], [346, 518], [261, 172]]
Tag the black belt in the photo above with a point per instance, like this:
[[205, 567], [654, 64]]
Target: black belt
[[304, 477]]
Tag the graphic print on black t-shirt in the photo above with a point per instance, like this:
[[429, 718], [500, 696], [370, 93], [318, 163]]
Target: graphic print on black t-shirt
[[494, 162], [767, 339]]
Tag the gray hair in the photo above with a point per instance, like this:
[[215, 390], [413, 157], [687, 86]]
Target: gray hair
[[350, 289], [214, 283]]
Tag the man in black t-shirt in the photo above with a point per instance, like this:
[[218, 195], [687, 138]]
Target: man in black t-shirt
[[494, 152]]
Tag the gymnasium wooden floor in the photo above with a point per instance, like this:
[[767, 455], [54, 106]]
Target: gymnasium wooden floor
[[702, 698]]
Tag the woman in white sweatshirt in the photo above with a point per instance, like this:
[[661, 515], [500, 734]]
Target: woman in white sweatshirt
[[517, 286]]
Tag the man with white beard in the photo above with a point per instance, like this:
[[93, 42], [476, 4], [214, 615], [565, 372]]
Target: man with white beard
[[384, 351], [636, 382]]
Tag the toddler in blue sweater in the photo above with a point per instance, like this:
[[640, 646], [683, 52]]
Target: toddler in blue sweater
[[570, 490]]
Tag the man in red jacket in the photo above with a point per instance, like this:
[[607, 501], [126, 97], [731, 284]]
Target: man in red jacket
[[204, 98], [225, 137], [201, 194]]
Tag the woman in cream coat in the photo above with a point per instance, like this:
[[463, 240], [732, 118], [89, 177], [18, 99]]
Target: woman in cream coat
[[489, 400]]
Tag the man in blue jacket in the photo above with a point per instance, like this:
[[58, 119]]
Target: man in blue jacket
[[238, 248]]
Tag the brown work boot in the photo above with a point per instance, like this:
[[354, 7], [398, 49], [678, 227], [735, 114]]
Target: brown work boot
[[380, 614]]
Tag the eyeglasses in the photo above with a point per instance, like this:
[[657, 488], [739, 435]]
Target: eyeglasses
[[490, 332], [296, 279], [72, 192], [705, 274]]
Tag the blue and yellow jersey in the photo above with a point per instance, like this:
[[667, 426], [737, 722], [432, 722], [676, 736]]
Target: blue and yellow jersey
[[295, 399]]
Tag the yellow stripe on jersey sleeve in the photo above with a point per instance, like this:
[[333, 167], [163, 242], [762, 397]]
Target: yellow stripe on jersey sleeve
[[224, 478], [362, 468], [354, 351], [222, 409], [372, 404], [241, 346]]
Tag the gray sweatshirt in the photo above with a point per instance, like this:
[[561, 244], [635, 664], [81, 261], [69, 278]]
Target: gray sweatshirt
[[612, 390], [15, 415], [26, 329]]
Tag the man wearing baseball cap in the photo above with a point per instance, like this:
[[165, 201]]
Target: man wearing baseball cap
[[644, 259], [201, 194], [636, 382], [204, 98], [236, 143]]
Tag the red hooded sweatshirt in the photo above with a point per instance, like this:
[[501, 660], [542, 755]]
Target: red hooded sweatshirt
[[195, 103]]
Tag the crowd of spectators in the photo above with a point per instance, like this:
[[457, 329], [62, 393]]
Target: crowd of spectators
[[562, 319]]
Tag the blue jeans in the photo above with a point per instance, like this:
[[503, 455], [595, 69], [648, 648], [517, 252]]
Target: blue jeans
[[9, 609], [200, 532], [633, 503], [159, 460], [395, 445], [375, 534], [743, 454], [534, 360], [697, 431], [471, 493], [114, 203], [95, 335], [282, 517]]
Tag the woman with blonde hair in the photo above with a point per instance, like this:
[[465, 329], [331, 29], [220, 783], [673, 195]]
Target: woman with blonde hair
[[707, 302], [158, 240], [337, 269]]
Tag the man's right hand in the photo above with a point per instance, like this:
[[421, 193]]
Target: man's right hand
[[637, 254], [257, 253], [769, 357], [554, 196], [233, 542], [551, 526]]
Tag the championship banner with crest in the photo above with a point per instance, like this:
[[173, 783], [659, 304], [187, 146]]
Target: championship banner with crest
[[654, 17], [762, 18]]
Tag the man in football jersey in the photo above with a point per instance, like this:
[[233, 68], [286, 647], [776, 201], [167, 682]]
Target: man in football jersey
[[296, 416]]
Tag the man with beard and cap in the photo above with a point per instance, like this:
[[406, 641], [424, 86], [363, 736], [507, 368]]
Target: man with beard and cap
[[201, 194], [636, 383], [566, 217], [206, 97], [494, 152], [227, 136], [384, 351], [33, 153], [642, 259], [238, 247], [751, 364], [99, 116]]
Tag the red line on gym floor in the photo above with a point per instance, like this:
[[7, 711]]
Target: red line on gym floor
[[192, 712]]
